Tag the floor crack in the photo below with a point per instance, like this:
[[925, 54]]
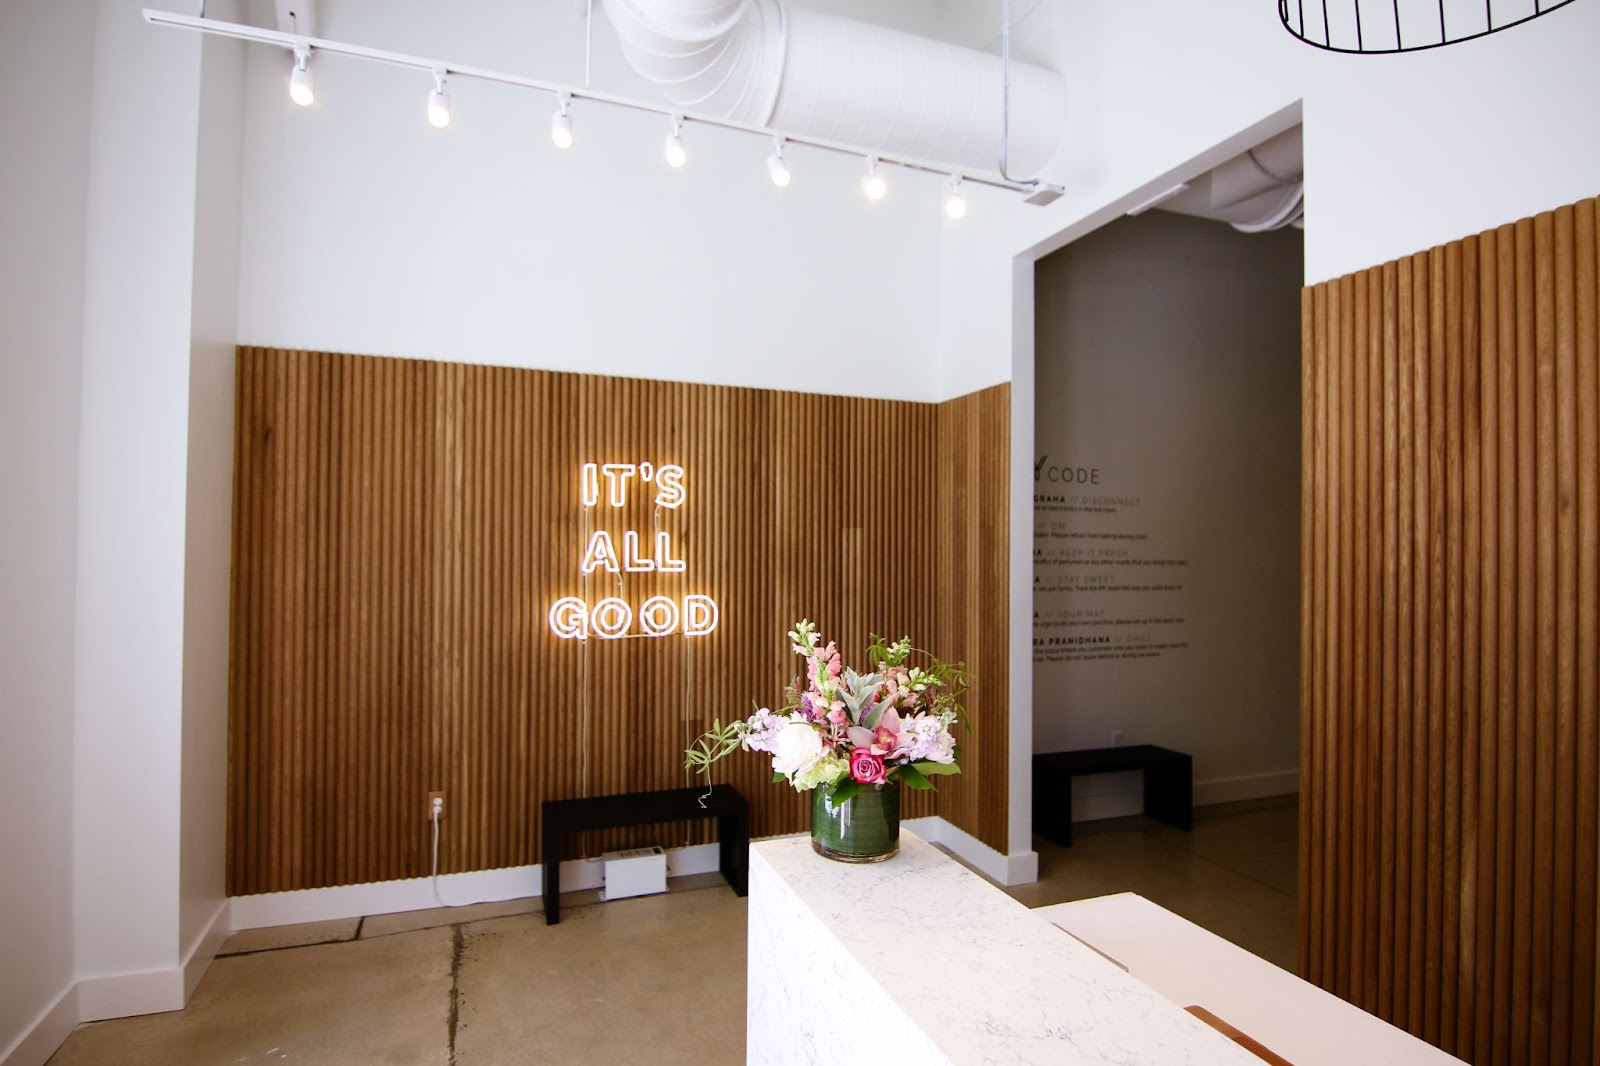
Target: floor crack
[[458, 940]]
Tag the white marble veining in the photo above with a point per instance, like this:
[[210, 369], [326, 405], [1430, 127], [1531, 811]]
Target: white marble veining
[[919, 960]]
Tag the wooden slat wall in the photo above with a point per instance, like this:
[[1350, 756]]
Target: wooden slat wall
[[973, 560], [402, 527], [1451, 640]]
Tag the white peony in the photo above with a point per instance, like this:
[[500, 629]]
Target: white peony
[[796, 746]]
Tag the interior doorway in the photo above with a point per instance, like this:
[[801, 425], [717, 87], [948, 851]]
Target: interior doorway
[[1166, 495]]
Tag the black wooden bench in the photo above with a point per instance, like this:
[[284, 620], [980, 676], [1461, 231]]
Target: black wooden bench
[[1168, 785], [724, 803]]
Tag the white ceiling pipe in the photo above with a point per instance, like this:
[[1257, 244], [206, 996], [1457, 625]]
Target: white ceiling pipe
[[1270, 165], [723, 60], [819, 75]]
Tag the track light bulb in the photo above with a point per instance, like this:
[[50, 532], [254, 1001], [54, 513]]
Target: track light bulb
[[561, 124], [873, 184], [302, 85], [776, 168], [955, 204], [677, 154], [438, 103]]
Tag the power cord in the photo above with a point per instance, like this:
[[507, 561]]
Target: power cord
[[433, 816]]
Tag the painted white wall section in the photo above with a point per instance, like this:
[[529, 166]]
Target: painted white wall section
[[208, 538], [1401, 152], [1166, 503], [366, 230], [132, 465], [48, 49]]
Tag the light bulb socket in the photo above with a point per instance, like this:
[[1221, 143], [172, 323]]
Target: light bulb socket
[[302, 83], [438, 109], [776, 168], [955, 204], [438, 102], [873, 184], [561, 130]]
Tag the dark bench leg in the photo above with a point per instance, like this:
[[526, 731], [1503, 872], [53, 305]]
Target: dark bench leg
[[1052, 806], [733, 850], [551, 873], [1169, 793]]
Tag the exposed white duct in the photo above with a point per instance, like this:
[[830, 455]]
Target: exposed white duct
[[837, 79], [1260, 190], [1270, 165]]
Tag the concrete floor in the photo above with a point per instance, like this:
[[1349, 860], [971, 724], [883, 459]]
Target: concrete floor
[[656, 979]]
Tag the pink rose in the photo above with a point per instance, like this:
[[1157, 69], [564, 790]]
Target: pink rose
[[866, 767]]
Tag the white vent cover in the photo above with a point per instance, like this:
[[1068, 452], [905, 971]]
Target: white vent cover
[[636, 872]]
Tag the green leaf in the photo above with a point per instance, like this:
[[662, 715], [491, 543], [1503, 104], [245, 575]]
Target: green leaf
[[846, 789], [913, 777], [776, 777], [930, 768]]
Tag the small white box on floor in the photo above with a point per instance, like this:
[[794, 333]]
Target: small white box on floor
[[637, 872]]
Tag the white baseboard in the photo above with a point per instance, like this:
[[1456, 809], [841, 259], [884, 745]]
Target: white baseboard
[[154, 991], [1251, 786], [1129, 799], [94, 999], [520, 882], [416, 894], [197, 959], [1017, 869], [126, 994], [46, 1033]]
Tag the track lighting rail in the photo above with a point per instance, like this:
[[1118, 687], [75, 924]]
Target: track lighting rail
[[298, 46]]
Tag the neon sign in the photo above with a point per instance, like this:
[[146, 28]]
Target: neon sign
[[609, 485]]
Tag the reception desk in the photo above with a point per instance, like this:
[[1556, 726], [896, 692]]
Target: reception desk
[[919, 960]]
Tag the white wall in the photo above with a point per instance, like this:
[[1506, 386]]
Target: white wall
[[132, 472], [1168, 363], [45, 75], [1402, 152], [366, 230], [208, 539]]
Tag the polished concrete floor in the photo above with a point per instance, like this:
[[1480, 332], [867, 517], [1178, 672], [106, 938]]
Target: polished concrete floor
[[656, 979]]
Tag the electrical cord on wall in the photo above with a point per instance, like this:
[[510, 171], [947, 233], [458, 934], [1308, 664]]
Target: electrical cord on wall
[[433, 817]]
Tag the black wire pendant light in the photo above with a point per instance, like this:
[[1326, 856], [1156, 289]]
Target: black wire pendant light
[[1380, 27]]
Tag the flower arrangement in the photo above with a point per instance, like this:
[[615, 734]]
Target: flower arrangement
[[843, 731]]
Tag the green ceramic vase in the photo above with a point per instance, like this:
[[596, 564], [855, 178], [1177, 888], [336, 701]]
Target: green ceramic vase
[[864, 828]]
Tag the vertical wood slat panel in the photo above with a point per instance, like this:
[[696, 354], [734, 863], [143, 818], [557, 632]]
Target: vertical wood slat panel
[[1586, 256], [1308, 674], [1451, 640], [401, 528]]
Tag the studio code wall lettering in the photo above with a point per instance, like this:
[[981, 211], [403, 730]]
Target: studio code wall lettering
[[1108, 579], [609, 488]]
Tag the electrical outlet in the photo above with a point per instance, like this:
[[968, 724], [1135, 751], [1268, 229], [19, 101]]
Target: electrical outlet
[[1116, 739], [436, 799]]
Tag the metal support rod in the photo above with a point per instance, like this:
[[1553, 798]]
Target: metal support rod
[[288, 42]]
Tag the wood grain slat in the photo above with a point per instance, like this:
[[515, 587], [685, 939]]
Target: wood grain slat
[[1450, 649], [1586, 268], [401, 528]]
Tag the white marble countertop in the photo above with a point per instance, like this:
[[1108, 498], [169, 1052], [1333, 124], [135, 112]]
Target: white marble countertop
[[976, 973], [1188, 964]]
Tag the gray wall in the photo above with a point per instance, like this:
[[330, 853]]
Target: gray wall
[[1168, 377]]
